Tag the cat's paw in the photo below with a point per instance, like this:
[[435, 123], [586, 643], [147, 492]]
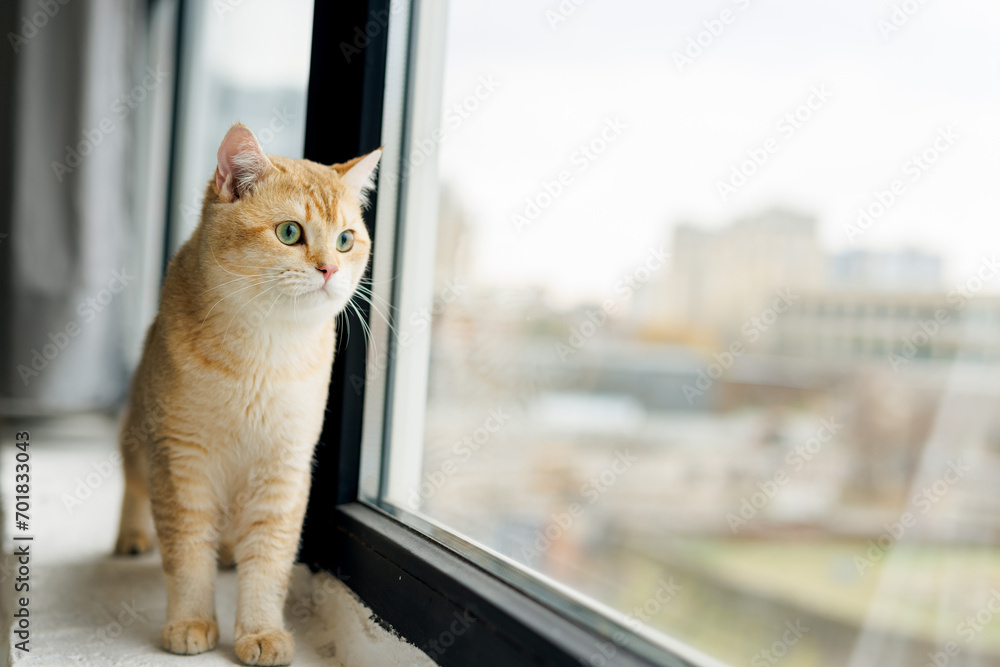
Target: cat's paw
[[268, 647], [190, 637], [133, 542]]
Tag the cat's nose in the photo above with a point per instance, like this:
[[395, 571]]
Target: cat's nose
[[327, 270]]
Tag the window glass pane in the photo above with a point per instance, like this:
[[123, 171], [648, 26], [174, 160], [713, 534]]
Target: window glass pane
[[713, 333], [253, 66]]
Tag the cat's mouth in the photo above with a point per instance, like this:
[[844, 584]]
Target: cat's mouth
[[328, 290], [306, 287]]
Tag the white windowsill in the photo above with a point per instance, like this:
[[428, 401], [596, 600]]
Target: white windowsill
[[88, 608]]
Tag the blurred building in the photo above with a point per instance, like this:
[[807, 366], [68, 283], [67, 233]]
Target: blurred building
[[907, 270], [719, 279], [856, 304], [871, 325]]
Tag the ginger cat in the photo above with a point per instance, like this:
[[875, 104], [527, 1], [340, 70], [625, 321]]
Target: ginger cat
[[230, 393]]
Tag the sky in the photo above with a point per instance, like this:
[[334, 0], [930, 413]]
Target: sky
[[257, 43], [681, 131], [685, 131]]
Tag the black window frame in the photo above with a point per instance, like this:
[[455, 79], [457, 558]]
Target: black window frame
[[456, 611]]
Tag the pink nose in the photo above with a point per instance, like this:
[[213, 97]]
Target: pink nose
[[327, 270]]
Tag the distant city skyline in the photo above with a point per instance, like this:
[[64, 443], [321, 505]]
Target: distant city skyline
[[686, 131]]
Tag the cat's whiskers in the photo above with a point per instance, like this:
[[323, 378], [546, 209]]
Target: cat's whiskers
[[370, 281], [221, 266], [271, 269], [368, 333], [233, 318], [276, 299], [233, 293], [247, 410], [375, 309], [234, 280], [256, 266], [347, 322], [364, 290]]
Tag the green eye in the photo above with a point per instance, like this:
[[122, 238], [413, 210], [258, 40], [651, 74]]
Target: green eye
[[289, 232], [345, 241]]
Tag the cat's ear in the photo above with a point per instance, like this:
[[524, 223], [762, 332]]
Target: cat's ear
[[242, 163], [359, 174]]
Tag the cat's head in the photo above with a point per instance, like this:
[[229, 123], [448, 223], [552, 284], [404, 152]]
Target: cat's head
[[288, 234]]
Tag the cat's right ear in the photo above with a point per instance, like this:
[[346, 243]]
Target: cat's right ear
[[242, 163]]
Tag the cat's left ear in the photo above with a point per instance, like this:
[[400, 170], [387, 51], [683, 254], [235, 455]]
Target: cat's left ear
[[242, 163], [359, 174]]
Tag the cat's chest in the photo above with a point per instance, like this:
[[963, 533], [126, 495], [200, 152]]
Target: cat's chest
[[252, 393], [258, 402], [273, 405]]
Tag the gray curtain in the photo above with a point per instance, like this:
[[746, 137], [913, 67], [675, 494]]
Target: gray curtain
[[68, 257]]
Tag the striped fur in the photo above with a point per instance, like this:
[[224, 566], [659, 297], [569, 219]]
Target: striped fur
[[229, 396]]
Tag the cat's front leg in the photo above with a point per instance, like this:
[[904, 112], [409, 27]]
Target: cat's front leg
[[267, 539], [186, 514]]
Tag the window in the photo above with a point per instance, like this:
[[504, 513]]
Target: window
[[576, 394], [264, 88]]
